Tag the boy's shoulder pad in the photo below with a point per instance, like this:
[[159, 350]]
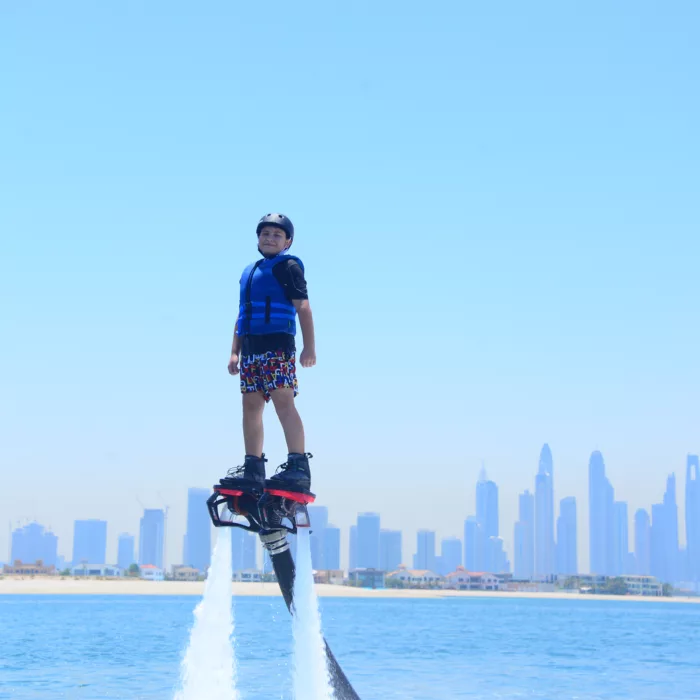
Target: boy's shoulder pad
[[293, 258]]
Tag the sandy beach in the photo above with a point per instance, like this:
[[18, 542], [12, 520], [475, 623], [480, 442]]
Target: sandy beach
[[16, 585]]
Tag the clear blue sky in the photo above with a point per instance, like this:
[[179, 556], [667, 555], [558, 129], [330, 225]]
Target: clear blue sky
[[497, 206]]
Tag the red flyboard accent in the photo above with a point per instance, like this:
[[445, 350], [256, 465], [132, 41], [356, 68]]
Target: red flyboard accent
[[293, 496], [229, 492]]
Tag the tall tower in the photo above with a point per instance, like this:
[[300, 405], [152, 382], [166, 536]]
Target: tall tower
[[665, 557], [642, 542], [487, 505], [425, 550], [544, 515], [390, 550], [600, 508], [620, 542], [152, 537], [487, 520], [368, 527], [567, 552], [89, 542], [197, 550], [331, 547], [524, 564], [125, 551], [692, 516], [672, 546]]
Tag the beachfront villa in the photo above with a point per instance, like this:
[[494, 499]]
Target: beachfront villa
[[185, 573], [149, 572], [643, 585], [96, 570], [416, 577], [19, 568], [463, 580], [247, 576]]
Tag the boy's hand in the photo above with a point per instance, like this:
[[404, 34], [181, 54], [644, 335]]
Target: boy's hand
[[307, 358], [233, 364]]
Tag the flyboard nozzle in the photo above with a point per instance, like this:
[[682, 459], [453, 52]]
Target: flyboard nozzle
[[275, 542]]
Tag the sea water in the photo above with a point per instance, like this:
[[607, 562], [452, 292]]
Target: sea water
[[130, 647]]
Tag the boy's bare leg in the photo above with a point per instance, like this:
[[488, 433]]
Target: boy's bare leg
[[283, 400], [253, 407]]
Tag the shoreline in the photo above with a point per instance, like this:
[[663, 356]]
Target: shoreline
[[18, 585]]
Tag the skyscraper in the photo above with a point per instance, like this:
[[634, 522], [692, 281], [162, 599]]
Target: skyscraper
[[352, 548], [600, 504], [32, 543], [318, 516], [250, 550], [620, 543], [152, 537], [125, 551], [544, 515], [496, 561], [197, 549], [331, 548], [237, 535], [89, 542], [664, 536], [657, 560], [524, 538], [487, 505], [425, 550], [567, 551], [473, 544], [642, 542], [390, 555], [450, 555], [486, 523], [672, 543], [368, 526], [692, 517]]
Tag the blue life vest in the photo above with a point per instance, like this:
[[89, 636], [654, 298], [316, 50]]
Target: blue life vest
[[264, 307]]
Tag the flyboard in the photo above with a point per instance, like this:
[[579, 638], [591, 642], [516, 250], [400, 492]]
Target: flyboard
[[272, 515]]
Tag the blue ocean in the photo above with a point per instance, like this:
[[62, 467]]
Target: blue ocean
[[94, 647]]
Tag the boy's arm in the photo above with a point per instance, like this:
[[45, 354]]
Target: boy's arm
[[235, 350], [306, 321]]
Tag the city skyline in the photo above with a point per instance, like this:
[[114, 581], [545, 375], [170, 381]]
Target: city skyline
[[637, 541]]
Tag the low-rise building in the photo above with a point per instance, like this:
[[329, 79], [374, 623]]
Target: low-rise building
[[643, 585], [415, 578], [367, 578], [150, 572], [463, 580], [247, 576], [96, 570], [334, 576], [19, 568], [185, 573]]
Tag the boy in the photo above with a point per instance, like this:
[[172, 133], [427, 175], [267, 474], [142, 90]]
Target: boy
[[272, 293]]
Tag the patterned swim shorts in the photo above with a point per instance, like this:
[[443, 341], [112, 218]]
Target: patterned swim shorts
[[267, 372]]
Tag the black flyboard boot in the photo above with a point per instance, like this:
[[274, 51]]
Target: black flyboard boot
[[249, 478], [293, 476], [287, 494], [235, 498]]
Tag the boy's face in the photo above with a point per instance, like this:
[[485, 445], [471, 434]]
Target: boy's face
[[272, 240]]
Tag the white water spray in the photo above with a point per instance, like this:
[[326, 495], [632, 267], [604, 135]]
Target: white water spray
[[311, 681], [208, 670]]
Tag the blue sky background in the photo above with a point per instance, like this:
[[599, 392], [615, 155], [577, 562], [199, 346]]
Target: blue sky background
[[497, 206]]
